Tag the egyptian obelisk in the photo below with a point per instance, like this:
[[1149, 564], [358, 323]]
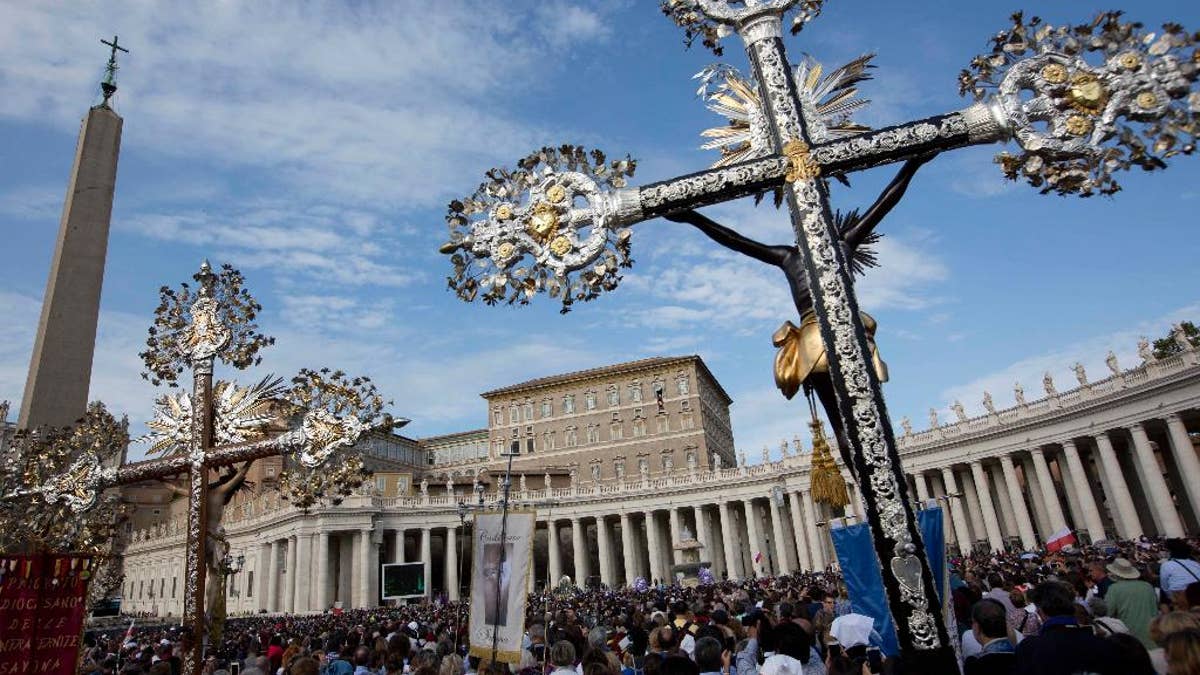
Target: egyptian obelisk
[[56, 389]]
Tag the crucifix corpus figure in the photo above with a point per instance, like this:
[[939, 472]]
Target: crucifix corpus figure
[[560, 221]]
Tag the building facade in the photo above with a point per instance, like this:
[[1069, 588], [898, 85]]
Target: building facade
[[1110, 458]]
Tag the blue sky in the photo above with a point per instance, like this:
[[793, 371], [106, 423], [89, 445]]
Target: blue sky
[[315, 145]]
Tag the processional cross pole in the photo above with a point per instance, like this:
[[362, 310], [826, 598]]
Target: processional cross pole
[[1077, 123], [316, 420]]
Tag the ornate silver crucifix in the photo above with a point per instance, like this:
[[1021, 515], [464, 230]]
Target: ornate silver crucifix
[[1074, 99]]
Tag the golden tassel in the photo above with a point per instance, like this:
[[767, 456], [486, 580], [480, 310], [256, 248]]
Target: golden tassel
[[828, 486]]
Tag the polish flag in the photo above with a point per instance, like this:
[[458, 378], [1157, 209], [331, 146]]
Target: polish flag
[[758, 557], [1060, 539]]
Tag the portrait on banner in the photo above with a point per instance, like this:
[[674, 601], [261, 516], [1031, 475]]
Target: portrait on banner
[[501, 562]]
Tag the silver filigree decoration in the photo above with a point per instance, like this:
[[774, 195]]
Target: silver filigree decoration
[[1087, 101], [714, 20], [555, 224], [324, 434]]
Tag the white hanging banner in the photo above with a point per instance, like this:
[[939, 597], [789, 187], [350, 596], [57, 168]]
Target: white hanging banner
[[501, 562]]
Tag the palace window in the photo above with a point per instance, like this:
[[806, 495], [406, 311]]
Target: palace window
[[547, 408], [514, 415], [590, 400], [528, 411], [572, 436], [615, 432], [635, 392], [686, 421], [569, 403], [498, 416], [639, 427], [662, 424], [614, 395], [593, 433], [683, 384]]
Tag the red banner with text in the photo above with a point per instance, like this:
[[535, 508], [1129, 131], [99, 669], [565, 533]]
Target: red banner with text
[[43, 602]]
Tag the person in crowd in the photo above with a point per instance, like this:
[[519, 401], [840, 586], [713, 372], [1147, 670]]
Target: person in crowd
[[1183, 652], [1063, 647], [989, 626], [1178, 571], [1098, 579], [1164, 625], [1134, 659], [562, 657], [1131, 600]]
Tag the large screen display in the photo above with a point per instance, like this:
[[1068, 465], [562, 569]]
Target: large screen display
[[403, 580]]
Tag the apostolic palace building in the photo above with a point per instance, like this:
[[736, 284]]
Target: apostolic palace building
[[620, 460]]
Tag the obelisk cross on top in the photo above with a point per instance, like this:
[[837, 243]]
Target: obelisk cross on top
[[109, 84]]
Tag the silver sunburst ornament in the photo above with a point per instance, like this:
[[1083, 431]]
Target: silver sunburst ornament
[[241, 414], [829, 100]]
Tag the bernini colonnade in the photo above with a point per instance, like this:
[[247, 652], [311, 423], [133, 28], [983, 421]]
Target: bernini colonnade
[[1110, 458]]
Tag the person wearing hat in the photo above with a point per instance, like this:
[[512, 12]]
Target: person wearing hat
[[1131, 600]]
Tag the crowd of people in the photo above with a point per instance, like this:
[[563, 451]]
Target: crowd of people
[[1129, 608]]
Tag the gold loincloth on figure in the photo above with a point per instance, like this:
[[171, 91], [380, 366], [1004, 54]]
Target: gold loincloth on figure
[[802, 352]]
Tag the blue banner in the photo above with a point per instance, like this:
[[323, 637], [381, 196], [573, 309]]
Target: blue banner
[[860, 569]]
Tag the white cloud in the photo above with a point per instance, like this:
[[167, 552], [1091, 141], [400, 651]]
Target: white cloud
[[1091, 352]]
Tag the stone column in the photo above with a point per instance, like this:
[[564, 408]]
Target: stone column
[[451, 558], [627, 549], [303, 582], [1020, 513], [289, 588], [654, 549], [961, 534], [816, 551], [1185, 460], [755, 539], [1156, 488], [728, 539], [1126, 514], [673, 521], [604, 551], [324, 585], [1038, 508], [972, 506], [803, 562], [1075, 513], [922, 487], [398, 546], [783, 566], [1054, 513], [427, 558], [704, 536], [553, 555], [579, 549], [1008, 525], [362, 569], [1083, 492], [992, 525], [264, 575]]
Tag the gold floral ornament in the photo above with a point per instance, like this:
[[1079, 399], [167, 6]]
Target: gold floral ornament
[[177, 331], [1138, 109], [52, 486], [801, 165], [545, 241]]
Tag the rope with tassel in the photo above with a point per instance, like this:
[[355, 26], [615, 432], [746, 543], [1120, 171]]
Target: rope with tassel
[[828, 486]]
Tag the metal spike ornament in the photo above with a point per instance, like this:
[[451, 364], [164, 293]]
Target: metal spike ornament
[[503, 238]]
